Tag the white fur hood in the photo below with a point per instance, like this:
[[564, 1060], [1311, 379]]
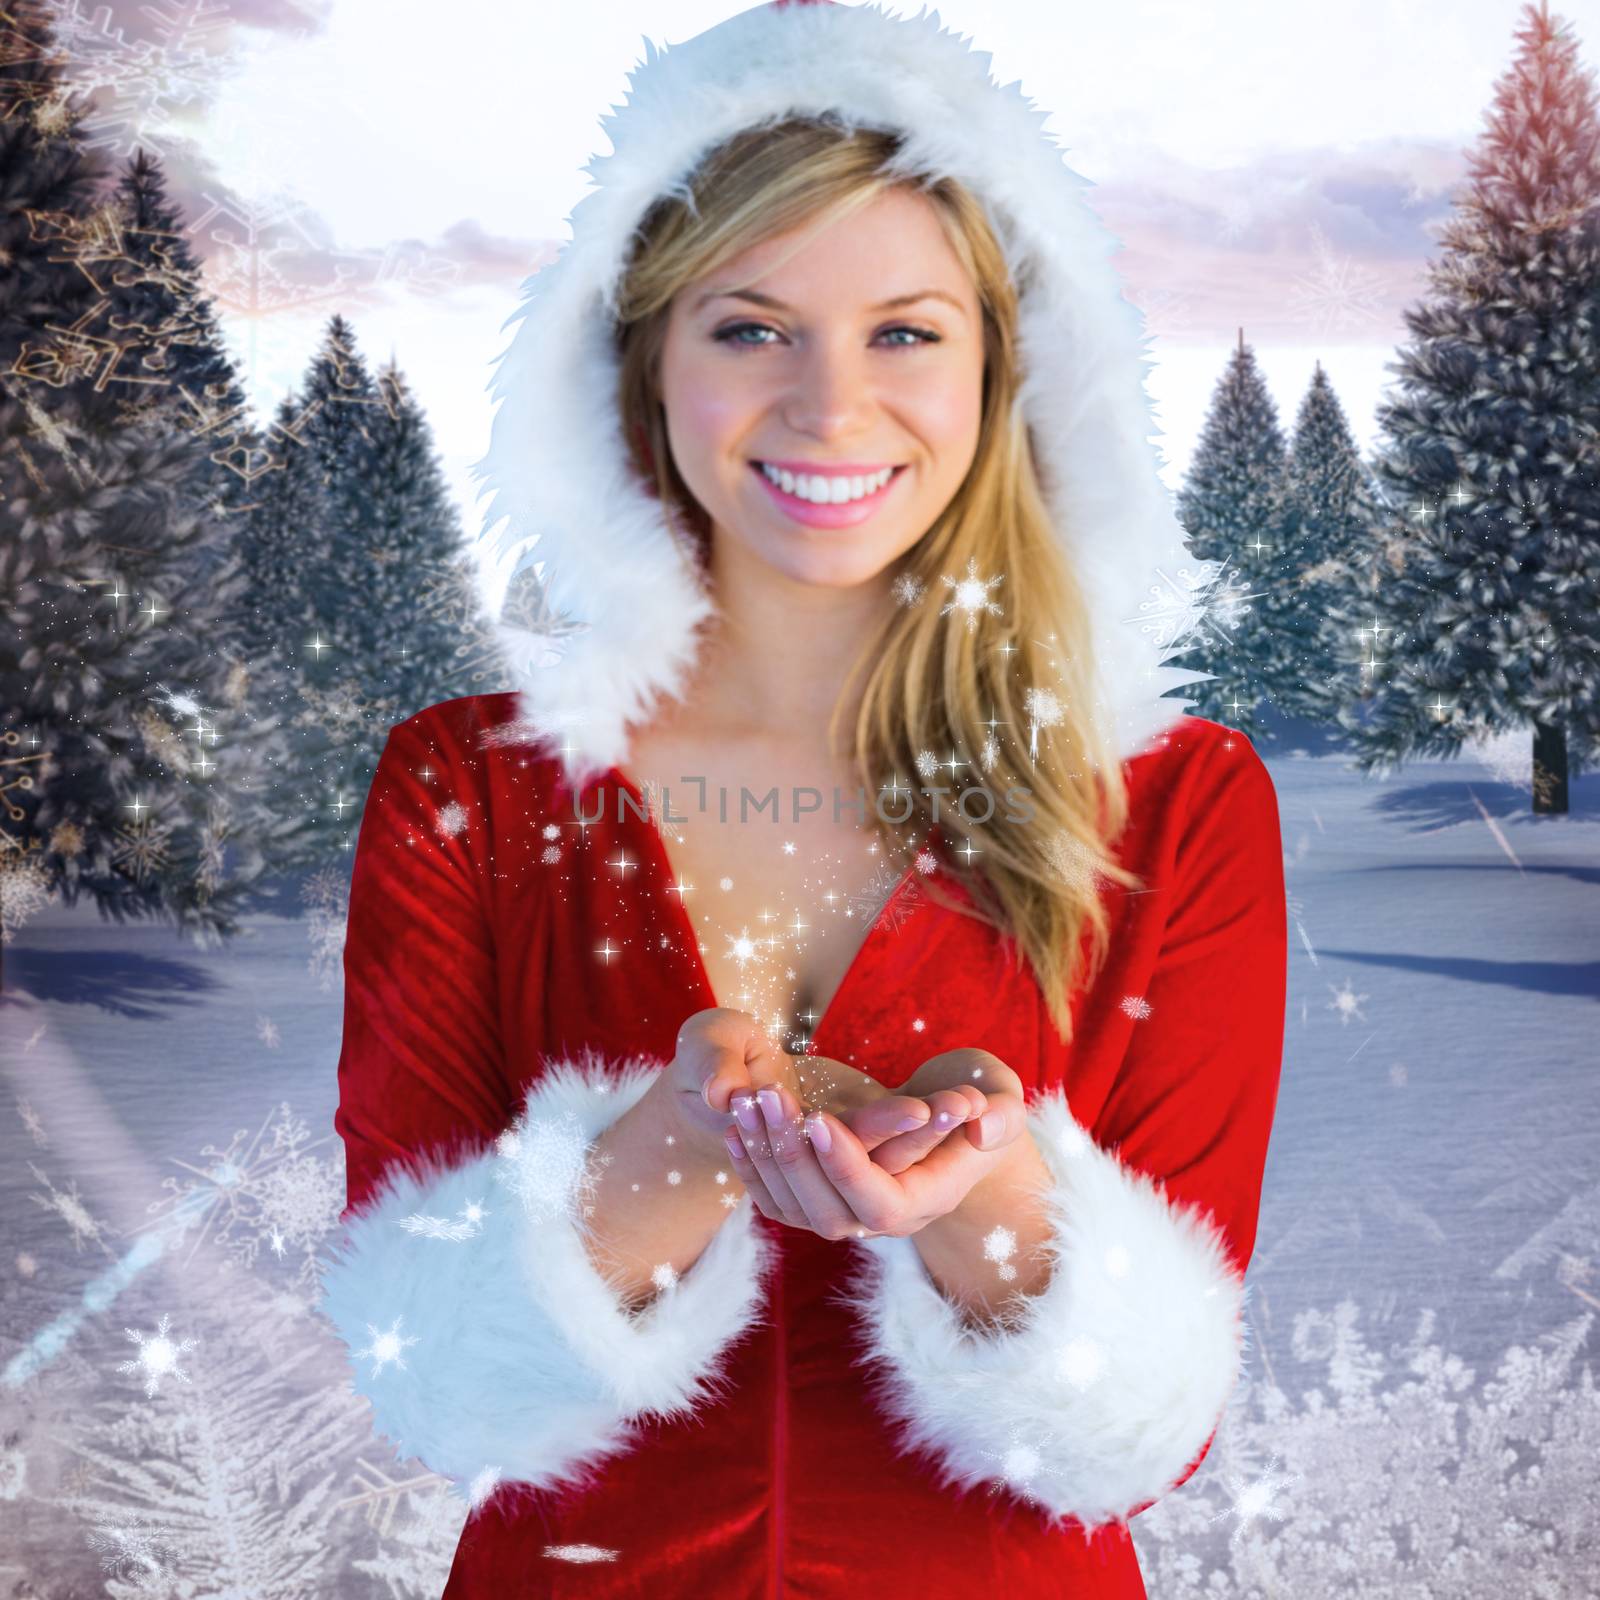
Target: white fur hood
[[564, 495]]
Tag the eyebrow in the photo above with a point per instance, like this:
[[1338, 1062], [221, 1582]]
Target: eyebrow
[[755, 297]]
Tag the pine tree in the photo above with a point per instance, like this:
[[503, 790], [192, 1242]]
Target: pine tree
[[281, 545], [1232, 508], [179, 363], [1332, 508], [1492, 448], [127, 773], [411, 638]]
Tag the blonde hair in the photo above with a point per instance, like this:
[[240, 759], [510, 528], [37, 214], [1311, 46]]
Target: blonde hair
[[933, 684]]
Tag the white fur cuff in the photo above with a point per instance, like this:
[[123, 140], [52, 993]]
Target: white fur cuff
[[1100, 1390], [488, 1343]]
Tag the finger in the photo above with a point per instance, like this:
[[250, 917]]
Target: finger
[[772, 1124], [820, 1206], [1005, 1120], [949, 1109], [957, 1164], [871, 1200], [883, 1118], [745, 1170], [738, 1053]]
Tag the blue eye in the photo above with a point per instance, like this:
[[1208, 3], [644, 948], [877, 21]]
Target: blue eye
[[727, 335]]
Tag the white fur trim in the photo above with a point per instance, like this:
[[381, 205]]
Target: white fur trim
[[1100, 1390], [525, 1365], [557, 465]]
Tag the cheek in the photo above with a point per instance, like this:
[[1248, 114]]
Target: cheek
[[705, 416]]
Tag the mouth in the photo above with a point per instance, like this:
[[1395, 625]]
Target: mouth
[[827, 513]]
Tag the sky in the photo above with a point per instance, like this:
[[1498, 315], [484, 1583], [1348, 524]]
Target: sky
[[1280, 170]]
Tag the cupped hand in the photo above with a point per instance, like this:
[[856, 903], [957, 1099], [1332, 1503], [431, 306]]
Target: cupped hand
[[724, 1056], [815, 1172]]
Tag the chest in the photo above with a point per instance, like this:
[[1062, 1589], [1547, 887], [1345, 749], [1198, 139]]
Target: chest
[[781, 899]]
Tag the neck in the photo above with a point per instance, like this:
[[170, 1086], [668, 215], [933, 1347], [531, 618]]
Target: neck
[[776, 659]]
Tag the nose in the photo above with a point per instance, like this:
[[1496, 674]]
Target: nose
[[831, 391]]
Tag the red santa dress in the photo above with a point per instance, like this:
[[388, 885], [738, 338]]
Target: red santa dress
[[796, 1416]]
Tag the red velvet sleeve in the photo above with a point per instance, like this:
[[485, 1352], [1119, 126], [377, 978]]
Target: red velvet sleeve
[[1194, 1099], [422, 1061]]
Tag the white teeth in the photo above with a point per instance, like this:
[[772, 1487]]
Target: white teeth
[[827, 490]]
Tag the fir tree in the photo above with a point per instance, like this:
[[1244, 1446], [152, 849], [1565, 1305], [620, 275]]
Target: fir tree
[[1332, 508], [1491, 446], [1232, 508], [124, 764], [415, 619]]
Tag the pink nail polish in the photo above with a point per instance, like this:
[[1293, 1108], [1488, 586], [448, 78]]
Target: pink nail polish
[[735, 1149], [821, 1135]]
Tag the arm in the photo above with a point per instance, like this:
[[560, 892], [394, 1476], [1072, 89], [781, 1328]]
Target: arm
[[479, 1327], [1105, 1387]]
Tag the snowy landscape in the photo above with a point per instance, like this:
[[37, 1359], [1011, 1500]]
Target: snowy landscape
[[1418, 1417]]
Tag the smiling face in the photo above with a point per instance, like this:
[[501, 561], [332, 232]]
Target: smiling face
[[820, 378]]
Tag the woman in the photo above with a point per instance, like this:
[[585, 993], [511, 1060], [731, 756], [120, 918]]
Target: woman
[[918, 555]]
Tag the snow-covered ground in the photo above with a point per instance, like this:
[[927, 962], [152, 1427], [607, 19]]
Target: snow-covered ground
[[1418, 1419]]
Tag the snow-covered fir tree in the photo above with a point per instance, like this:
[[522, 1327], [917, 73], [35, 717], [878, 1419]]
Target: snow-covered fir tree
[[127, 761], [1232, 508], [1332, 510], [1490, 445], [348, 699], [180, 364], [409, 639], [280, 544]]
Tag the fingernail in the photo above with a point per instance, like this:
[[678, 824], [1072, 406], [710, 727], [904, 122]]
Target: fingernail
[[910, 1123], [705, 1088], [744, 1108], [990, 1126], [771, 1106], [820, 1136], [735, 1149]]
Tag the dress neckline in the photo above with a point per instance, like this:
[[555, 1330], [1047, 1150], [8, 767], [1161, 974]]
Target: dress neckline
[[645, 814]]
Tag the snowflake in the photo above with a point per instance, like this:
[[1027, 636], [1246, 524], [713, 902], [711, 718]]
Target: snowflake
[[66, 840], [157, 1358], [134, 1553], [1256, 1498], [1347, 1003], [140, 850], [908, 589], [267, 1032], [326, 893], [25, 889], [971, 594], [877, 898], [70, 1209], [999, 1246], [467, 1224], [140, 90], [387, 1347], [1045, 710], [259, 1188], [1337, 295], [1135, 1006], [543, 1162], [30, 1121], [452, 819], [1072, 860]]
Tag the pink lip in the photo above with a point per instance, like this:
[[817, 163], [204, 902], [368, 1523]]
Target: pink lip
[[826, 516]]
